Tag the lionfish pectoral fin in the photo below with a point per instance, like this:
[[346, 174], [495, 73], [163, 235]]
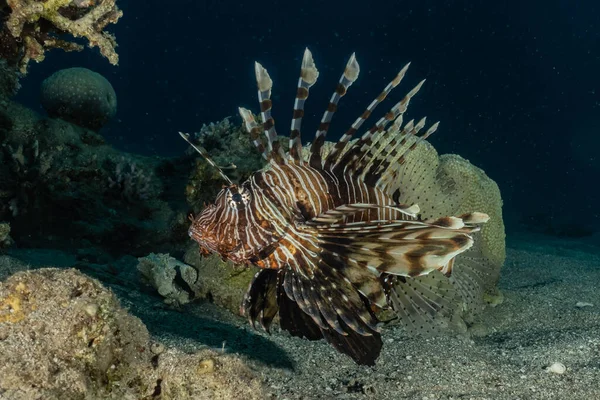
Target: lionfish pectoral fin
[[398, 247], [411, 259], [340, 214], [364, 350]]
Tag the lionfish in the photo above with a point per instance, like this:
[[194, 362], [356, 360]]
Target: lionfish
[[329, 231]]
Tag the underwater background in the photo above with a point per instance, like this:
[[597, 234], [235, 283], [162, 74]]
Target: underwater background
[[515, 86]]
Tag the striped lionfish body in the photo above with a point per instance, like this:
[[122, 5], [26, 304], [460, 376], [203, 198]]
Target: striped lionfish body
[[329, 231]]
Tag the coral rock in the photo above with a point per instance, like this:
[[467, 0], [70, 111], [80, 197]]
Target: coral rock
[[53, 347], [80, 96]]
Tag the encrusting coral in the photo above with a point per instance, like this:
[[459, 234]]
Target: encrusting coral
[[32, 27]]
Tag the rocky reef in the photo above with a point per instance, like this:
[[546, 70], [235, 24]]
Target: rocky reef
[[60, 182], [63, 335]]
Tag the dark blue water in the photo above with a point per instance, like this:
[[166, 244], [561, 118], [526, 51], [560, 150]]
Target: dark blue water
[[514, 83]]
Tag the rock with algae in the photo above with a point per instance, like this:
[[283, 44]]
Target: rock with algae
[[220, 281], [210, 278], [164, 273], [32, 27], [5, 239], [64, 336]]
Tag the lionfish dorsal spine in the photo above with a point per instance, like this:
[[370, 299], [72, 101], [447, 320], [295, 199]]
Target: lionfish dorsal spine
[[349, 76], [205, 155], [254, 129], [350, 159], [341, 144], [308, 77], [265, 84]]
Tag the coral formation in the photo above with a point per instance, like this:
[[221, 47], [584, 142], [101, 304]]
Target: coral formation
[[5, 239], [80, 96], [62, 182], [131, 182], [164, 273], [479, 192], [229, 145], [9, 81], [31, 27], [64, 336]]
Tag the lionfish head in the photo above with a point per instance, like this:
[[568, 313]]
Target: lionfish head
[[220, 227]]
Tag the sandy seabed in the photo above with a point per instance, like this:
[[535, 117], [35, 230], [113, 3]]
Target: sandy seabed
[[550, 314]]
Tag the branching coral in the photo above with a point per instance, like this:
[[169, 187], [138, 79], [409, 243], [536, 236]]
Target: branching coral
[[133, 183], [36, 26]]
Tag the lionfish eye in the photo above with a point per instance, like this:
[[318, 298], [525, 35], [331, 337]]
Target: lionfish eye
[[236, 197], [238, 200]]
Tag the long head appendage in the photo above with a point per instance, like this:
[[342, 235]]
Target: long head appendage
[[204, 154]]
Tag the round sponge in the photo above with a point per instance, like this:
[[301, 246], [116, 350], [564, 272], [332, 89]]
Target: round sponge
[[80, 96]]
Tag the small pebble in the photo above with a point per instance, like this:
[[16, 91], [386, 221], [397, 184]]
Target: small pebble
[[557, 368], [206, 366], [157, 348], [91, 309]]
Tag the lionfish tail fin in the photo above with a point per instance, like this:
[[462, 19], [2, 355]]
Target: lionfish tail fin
[[265, 84], [308, 77], [205, 155], [425, 304], [346, 80]]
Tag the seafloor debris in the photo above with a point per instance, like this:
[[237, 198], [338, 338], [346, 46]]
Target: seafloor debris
[[31, 27], [557, 368]]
